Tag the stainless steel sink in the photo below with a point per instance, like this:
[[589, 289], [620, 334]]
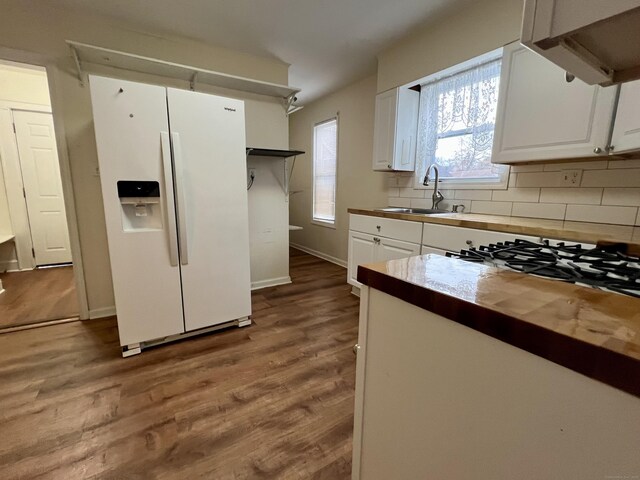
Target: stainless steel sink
[[417, 211]]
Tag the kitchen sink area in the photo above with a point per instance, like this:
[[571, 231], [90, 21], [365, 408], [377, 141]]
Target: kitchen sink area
[[413, 211]]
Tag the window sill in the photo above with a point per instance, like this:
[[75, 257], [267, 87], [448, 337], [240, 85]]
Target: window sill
[[324, 223]]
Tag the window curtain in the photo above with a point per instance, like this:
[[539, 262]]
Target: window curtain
[[463, 104]]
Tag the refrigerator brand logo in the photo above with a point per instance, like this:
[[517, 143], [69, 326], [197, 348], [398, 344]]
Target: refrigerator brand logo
[[230, 109]]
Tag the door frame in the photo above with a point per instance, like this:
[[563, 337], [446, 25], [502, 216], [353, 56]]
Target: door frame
[[16, 196]]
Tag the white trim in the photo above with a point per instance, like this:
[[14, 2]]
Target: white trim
[[55, 95], [271, 282], [10, 266], [318, 254], [323, 223], [29, 107], [46, 323], [102, 312]]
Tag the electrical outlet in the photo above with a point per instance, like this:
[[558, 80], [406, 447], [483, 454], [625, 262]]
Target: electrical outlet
[[571, 178]]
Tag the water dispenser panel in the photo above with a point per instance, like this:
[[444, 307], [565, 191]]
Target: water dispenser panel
[[140, 204]]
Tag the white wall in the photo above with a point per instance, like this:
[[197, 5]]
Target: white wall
[[42, 28], [357, 184]]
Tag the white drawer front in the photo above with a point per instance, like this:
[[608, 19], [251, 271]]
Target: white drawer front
[[455, 238], [387, 227]]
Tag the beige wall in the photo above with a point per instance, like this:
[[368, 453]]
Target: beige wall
[[480, 27], [34, 26], [357, 185]]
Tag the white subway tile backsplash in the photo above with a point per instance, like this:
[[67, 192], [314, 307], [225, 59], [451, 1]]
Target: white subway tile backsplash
[[602, 214], [392, 181], [405, 181], [399, 202], [411, 193], [553, 211], [539, 179], [591, 165], [527, 168], [491, 208], [421, 203], [586, 196], [393, 192], [513, 177], [517, 195], [621, 196], [472, 195], [614, 164], [611, 178]]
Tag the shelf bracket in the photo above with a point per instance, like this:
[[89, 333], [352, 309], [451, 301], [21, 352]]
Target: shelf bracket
[[192, 83], [288, 102], [76, 60]]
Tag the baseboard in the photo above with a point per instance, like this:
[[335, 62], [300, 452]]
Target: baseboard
[[9, 266], [318, 254], [271, 282], [102, 312]]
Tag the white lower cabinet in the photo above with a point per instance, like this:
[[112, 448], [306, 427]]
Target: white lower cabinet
[[376, 239]]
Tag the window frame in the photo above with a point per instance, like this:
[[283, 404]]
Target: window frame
[[319, 221], [472, 183]]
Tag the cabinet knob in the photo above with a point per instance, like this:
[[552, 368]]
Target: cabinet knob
[[569, 77], [376, 240], [597, 150], [356, 347], [389, 166], [469, 243]]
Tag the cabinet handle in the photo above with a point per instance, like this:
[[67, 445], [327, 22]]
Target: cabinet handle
[[376, 240], [597, 150]]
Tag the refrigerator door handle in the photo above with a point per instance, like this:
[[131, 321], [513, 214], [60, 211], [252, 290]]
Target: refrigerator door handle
[[168, 187], [180, 202]]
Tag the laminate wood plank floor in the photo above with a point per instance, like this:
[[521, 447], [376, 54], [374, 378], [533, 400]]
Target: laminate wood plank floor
[[37, 295], [269, 401]]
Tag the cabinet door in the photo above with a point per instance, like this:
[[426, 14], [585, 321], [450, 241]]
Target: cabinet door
[[390, 249], [395, 130], [626, 131], [542, 116], [384, 130], [362, 248]]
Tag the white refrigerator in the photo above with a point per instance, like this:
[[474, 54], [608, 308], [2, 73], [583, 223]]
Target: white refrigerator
[[173, 175]]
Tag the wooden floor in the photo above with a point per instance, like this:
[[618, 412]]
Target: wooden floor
[[37, 295], [269, 401]]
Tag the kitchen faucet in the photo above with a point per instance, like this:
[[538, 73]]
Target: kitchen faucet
[[437, 196]]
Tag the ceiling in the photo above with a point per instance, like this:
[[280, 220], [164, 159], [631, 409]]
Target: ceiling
[[328, 43]]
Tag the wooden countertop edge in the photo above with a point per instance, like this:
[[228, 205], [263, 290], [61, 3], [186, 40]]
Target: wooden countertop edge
[[597, 362], [559, 232]]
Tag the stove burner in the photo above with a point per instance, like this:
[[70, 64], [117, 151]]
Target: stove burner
[[599, 268]]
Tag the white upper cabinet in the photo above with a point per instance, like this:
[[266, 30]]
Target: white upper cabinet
[[626, 130], [543, 116], [395, 131]]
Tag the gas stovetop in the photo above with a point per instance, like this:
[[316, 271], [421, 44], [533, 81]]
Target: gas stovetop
[[603, 267]]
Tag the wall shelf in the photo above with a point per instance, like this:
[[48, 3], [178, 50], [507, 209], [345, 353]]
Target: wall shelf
[[84, 55], [284, 154]]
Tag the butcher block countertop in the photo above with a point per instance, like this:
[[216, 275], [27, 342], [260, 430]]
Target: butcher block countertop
[[589, 331], [558, 229]]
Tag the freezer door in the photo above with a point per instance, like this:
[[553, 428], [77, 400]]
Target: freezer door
[[132, 136], [208, 141]]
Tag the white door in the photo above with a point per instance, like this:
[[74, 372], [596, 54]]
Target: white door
[[390, 249], [362, 248], [626, 130], [542, 116], [131, 124], [208, 141], [36, 142]]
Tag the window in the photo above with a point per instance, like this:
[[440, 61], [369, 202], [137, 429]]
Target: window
[[325, 157], [457, 119]]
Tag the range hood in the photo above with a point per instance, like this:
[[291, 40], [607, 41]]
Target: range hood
[[598, 41]]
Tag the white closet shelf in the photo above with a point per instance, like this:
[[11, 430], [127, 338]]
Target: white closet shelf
[[85, 54], [5, 238]]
